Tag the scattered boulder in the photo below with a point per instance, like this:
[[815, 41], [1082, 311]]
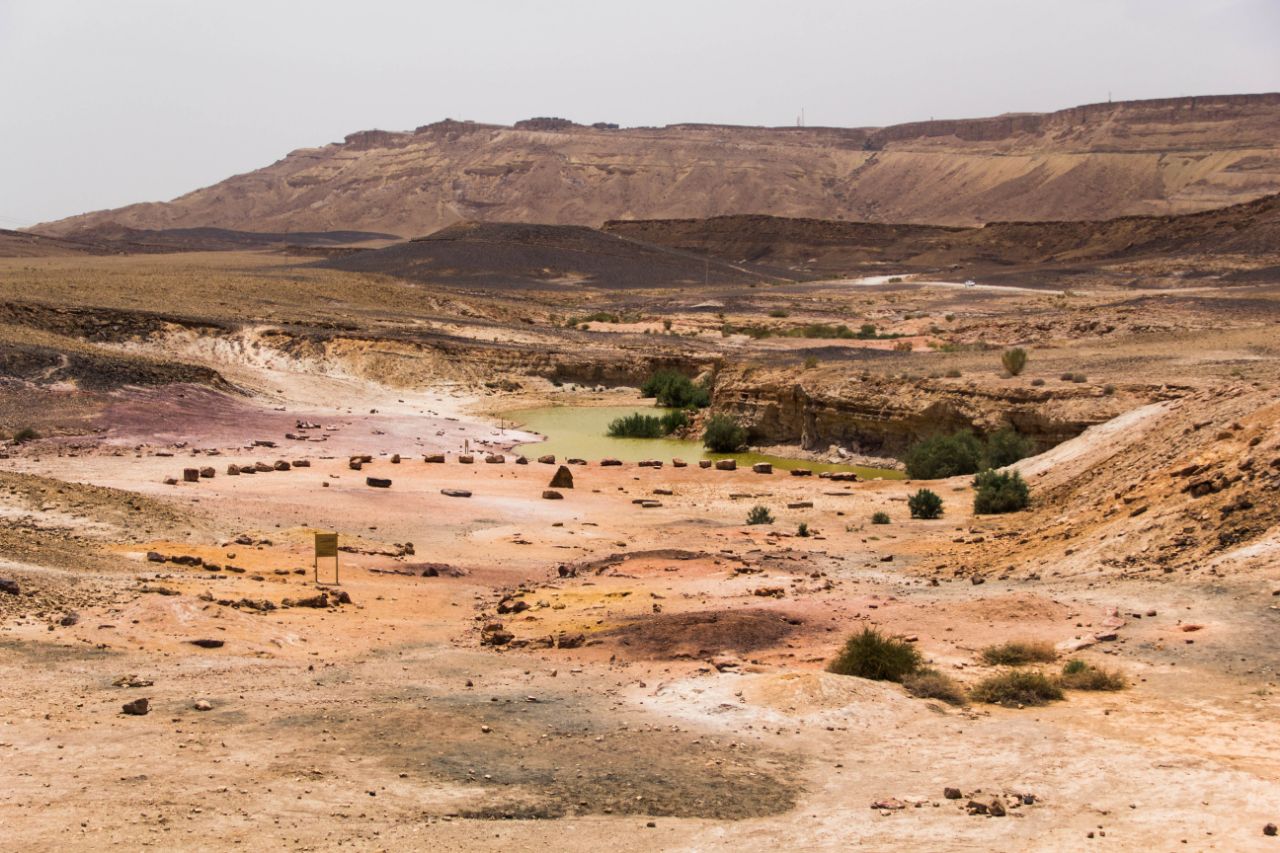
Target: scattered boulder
[[800, 505], [9, 587], [378, 482], [434, 458], [191, 475], [301, 463], [512, 605], [679, 463], [137, 708], [282, 465], [203, 705], [762, 468], [952, 793], [547, 459], [704, 463], [395, 459], [520, 460], [576, 461], [495, 459], [563, 478], [233, 470], [455, 493], [208, 644], [565, 640], [611, 463], [551, 495], [466, 459], [726, 465], [801, 472], [263, 468], [316, 601], [207, 473]]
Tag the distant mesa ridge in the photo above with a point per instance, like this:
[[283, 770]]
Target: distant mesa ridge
[[1092, 162]]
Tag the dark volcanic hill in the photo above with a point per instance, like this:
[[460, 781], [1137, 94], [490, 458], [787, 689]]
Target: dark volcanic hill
[[541, 257], [834, 248], [1158, 157]]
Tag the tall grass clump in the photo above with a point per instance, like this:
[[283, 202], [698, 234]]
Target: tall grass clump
[[1017, 688], [1078, 675], [1019, 653], [870, 654]]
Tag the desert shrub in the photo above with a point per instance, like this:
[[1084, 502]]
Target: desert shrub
[[870, 654], [759, 514], [1108, 389], [999, 491], [925, 504], [931, 684], [880, 518], [940, 456], [810, 362], [867, 330], [803, 529], [949, 317], [673, 421], [1016, 688], [779, 312], [675, 390], [24, 435], [953, 373], [897, 279], [1078, 675], [1007, 446], [1037, 382], [666, 324], [902, 346], [1014, 360], [1019, 653], [598, 317], [723, 434], [1074, 377], [637, 425]]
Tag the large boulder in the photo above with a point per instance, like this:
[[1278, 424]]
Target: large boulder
[[563, 478]]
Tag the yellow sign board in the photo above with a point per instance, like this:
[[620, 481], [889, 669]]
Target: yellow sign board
[[326, 545]]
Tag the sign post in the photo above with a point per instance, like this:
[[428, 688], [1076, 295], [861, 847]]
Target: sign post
[[326, 546]]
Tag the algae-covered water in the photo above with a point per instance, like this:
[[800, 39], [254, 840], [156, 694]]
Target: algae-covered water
[[581, 431]]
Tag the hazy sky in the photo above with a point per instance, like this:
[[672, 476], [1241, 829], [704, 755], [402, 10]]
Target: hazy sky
[[107, 103]]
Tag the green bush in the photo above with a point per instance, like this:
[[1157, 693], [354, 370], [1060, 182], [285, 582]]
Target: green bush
[[675, 390], [1014, 360], [1007, 446], [940, 456], [24, 435], [925, 504], [673, 421], [810, 362], [931, 684], [1016, 688], [1078, 675], [870, 654], [759, 514], [723, 434], [1018, 653], [779, 312], [636, 425], [802, 530], [999, 491], [880, 518]]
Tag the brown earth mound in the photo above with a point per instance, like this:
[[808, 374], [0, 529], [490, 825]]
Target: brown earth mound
[[708, 632]]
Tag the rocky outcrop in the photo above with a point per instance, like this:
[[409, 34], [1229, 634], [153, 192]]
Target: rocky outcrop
[[879, 415]]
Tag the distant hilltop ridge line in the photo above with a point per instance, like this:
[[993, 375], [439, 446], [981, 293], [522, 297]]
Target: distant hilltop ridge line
[[976, 129], [1159, 157]]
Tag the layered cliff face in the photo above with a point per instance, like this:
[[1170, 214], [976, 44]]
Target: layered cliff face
[[884, 416], [1146, 157]]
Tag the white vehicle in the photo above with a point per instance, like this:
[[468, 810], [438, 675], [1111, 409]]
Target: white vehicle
[[968, 282]]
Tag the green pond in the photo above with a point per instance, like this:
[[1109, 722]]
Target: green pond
[[582, 432]]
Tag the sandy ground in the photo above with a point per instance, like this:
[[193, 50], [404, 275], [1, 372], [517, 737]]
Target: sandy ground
[[664, 687]]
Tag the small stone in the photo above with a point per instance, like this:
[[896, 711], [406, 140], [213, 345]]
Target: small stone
[[1270, 830], [952, 793], [137, 708], [203, 705]]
